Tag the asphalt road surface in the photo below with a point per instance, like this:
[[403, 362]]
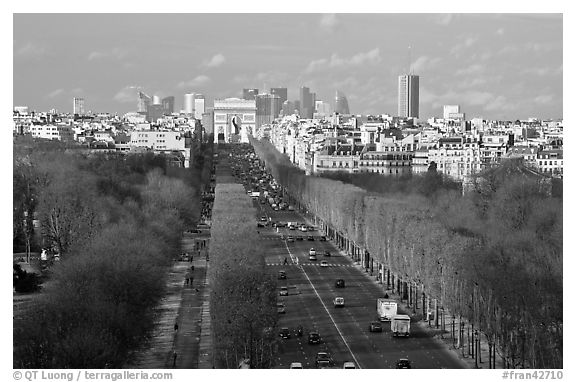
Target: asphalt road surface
[[344, 330]]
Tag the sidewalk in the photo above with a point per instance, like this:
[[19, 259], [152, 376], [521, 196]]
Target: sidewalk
[[186, 306]]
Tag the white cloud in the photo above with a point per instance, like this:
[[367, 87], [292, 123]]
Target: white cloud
[[55, 93], [472, 69], [544, 99], [196, 81], [443, 19], [359, 59], [424, 62], [500, 31], [215, 61], [30, 50], [95, 55], [126, 95], [329, 21]]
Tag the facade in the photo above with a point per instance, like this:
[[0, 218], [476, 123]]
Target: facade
[[161, 141], [307, 101], [249, 94], [154, 113], [288, 108], [189, 103], [168, 105], [408, 96], [341, 103], [234, 120], [551, 162], [63, 133], [457, 157], [156, 100], [208, 122], [280, 92], [199, 105], [78, 106], [385, 162], [267, 108], [450, 109], [144, 101]]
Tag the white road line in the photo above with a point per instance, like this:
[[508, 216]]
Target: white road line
[[326, 309]]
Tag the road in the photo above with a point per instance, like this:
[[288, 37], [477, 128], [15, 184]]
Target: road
[[344, 331]]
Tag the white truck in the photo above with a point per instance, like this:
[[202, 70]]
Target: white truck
[[255, 194], [387, 309], [400, 325]]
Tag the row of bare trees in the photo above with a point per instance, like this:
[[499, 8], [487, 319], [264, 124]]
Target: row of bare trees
[[243, 298], [492, 256], [116, 223]]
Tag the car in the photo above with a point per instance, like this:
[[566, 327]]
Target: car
[[349, 365], [281, 275], [339, 302], [311, 228], [291, 228], [261, 225], [263, 218], [310, 237], [300, 238], [281, 308], [296, 365], [323, 263], [375, 326], [281, 224], [314, 338], [322, 238], [340, 283], [403, 363], [285, 333], [323, 359], [303, 228], [283, 291], [290, 208], [290, 239], [327, 253]]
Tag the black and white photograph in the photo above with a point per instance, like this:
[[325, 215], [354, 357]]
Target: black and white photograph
[[287, 188]]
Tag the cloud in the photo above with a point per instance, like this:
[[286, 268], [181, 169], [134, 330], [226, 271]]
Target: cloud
[[500, 31], [30, 50], [443, 18], [424, 62], [215, 61], [96, 56], [55, 93], [544, 99], [115, 53], [472, 69], [329, 21], [196, 81], [126, 95], [359, 59]]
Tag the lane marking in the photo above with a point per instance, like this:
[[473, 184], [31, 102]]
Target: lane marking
[[326, 309]]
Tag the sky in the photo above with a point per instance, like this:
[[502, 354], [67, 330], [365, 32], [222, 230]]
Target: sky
[[495, 66]]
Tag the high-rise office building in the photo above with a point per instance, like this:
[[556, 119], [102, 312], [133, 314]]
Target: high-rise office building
[[156, 100], [249, 94], [280, 92], [341, 103], [168, 104], [78, 107], [199, 105], [288, 108], [154, 112], [189, 103], [322, 108], [307, 101], [144, 101], [408, 95], [267, 108]]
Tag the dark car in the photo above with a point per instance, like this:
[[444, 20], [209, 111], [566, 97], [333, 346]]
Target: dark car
[[314, 338], [281, 275], [281, 307], [299, 237], [340, 283], [327, 253], [322, 238], [375, 326], [323, 359], [285, 333], [261, 225], [310, 237], [403, 363]]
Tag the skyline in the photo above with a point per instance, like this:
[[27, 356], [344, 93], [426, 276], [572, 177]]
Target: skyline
[[495, 66]]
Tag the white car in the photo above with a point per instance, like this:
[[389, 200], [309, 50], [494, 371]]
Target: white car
[[303, 228], [296, 365], [339, 302], [349, 365], [324, 263]]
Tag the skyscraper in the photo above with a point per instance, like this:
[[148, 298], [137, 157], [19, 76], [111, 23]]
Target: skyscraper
[[156, 100], [288, 108], [341, 103], [78, 107], [168, 105], [249, 93], [189, 103], [199, 105], [144, 101], [267, 108], [408, 95], [280, 92], [307, 101]]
